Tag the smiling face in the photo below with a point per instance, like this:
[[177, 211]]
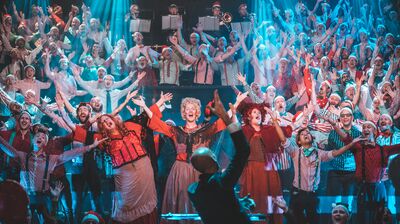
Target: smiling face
[[367, 130], [270, 94], [350, 92], [334, 100], [24, 121], [190, 112], [384, 123], [83, 114], [346, 118], [29, 72], [352, 62], [64, 64], [339, 215], [40, 140], [96, 104]]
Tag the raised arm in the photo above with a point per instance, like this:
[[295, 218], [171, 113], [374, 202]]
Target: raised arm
[[232, 173], [129, 96], [7, 148], [182, 51], [70, 154], [342, 150]]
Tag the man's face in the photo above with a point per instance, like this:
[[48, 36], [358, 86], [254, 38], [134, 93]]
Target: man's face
[[334, 100], [20, 43], [324, 90], [83, 114], [138, 38], [75, 22], [367, 130], [101, 73], [40, 139], [222, 43], [64, 64], [216, 11], [339, 215], [363, 37], [93, 24], [352, 62], [29, 72], [108, 82], [283, 65], [346, 118], [242, 11], [280, 105], [194, 38], [95, 103], [305, 137], [378, 64], [384, 123], [24, 121], [142, 63], [173, 11], [350, 92], [95, 48], [10, 80]]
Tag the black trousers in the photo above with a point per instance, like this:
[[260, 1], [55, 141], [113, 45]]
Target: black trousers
[[89, 179], [341, 183], [368, 198], [304, 206]]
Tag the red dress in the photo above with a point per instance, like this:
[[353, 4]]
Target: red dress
[[260, 177], [135, 198]]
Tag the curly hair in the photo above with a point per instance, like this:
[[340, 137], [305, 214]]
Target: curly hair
[[190, 100], [106, 133]]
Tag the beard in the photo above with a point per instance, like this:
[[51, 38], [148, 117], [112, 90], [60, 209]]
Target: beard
[[98, 110]]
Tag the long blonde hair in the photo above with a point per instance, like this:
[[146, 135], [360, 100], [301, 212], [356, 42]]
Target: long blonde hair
[[190, 100]]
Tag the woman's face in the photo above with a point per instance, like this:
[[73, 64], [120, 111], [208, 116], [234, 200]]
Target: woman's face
[[190, 112], [107, 123], [255, 117]]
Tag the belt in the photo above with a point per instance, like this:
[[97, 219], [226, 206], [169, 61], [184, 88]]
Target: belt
[[295, 189], [343, 172]]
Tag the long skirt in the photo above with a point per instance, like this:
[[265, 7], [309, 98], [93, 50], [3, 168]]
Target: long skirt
[[262, 186], [176, 198], [135, 193]]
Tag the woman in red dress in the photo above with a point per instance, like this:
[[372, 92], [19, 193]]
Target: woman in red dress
[[260, 177], [135, 198]]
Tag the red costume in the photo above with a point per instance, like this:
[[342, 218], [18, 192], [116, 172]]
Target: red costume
[[176, 198]]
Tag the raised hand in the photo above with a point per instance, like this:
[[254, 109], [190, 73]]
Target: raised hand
[[130, 95], [56, 190], [218, 109], [240, 97], [131, 111], [173, 40], [241, 78], [166, 97], [97, 142], [139, 101]]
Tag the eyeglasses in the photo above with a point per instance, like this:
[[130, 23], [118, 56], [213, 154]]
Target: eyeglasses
[[346, 115]]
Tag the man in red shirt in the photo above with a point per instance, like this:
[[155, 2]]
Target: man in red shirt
[[371, 161], [20, 138]]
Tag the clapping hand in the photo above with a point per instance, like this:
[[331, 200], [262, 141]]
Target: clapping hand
[[218, 109]]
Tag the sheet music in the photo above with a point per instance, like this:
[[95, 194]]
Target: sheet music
[[243, 27], [140, 25], [170, 22], [210, 23]]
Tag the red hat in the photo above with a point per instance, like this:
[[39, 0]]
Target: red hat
[[379, 57], [94, 217], [5, 16], [216, 4], [327, 83]]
